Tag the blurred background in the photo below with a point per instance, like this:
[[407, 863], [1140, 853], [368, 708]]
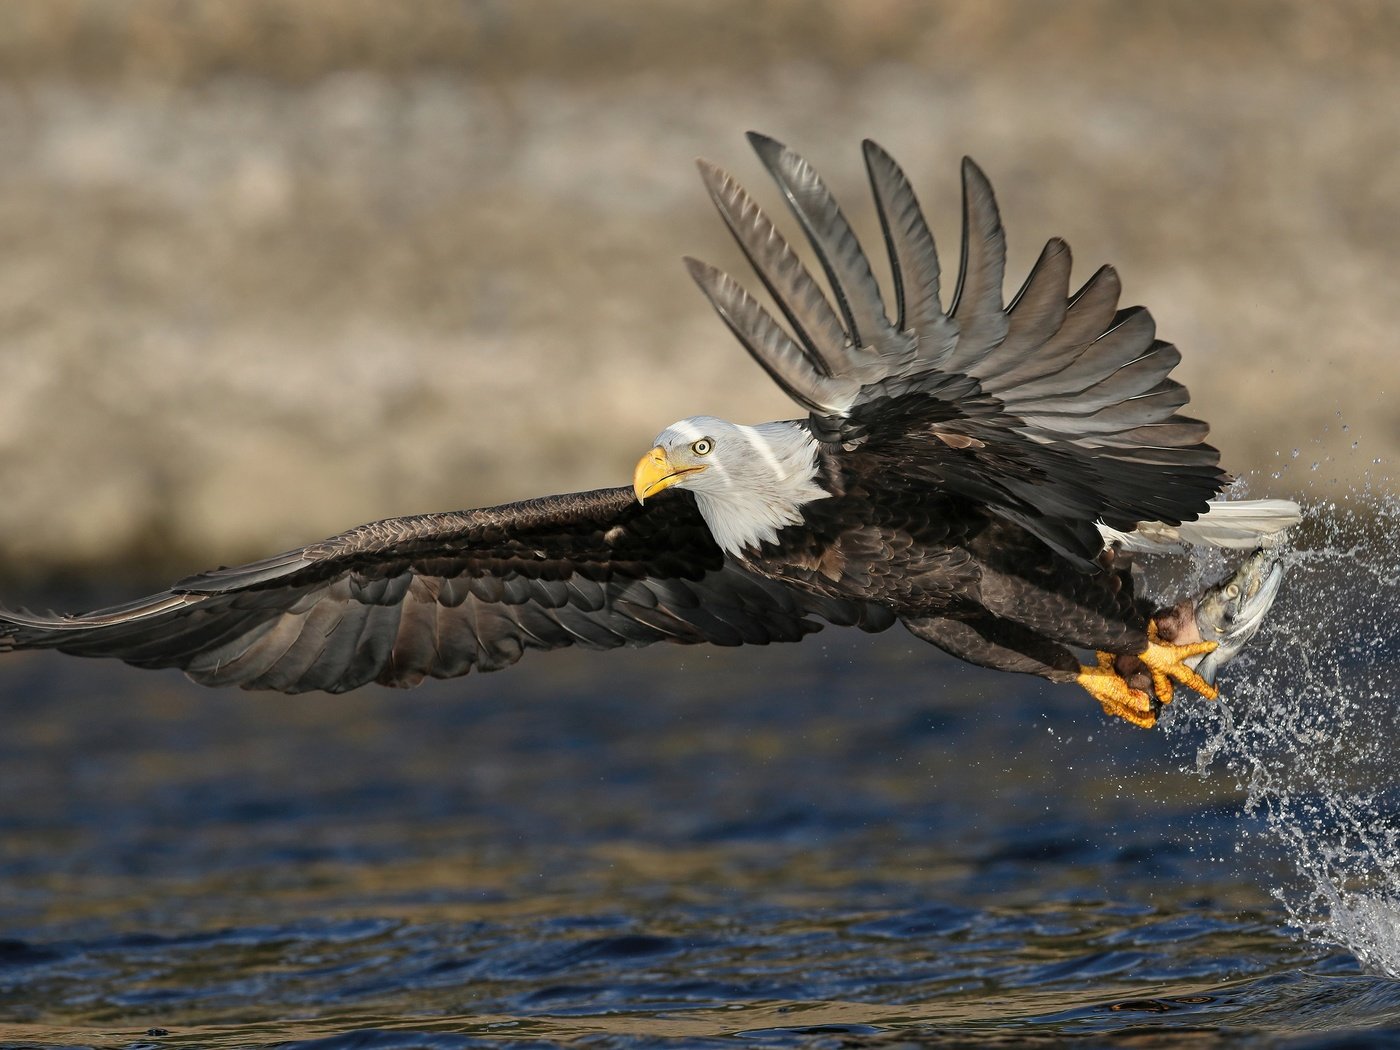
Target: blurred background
[[273, 269]]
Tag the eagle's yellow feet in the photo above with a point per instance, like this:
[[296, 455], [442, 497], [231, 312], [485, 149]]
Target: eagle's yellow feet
[[1166, 662], [1116, 696]]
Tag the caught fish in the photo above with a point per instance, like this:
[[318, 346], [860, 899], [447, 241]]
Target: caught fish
[[1217, 624], [1231, 612]]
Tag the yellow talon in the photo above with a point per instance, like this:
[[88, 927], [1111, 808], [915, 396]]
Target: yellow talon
[[1166, 662], [1115, 695]]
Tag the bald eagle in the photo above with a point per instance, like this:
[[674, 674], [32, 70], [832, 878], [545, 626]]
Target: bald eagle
[[978, 472]]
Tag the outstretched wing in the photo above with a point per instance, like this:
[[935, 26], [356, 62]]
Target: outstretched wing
[[1055, 411], [440, 594]]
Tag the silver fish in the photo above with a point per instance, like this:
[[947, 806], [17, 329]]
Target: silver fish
[[1232, 611]]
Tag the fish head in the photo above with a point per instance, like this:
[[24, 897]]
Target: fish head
[[1232, 611]]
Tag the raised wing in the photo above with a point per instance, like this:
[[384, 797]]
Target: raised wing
[[1055, 411], [439, 595]]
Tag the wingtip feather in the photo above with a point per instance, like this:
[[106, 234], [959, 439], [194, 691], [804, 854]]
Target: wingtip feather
[[764, 145]]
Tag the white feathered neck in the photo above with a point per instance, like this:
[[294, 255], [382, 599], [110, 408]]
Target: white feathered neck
[[755, 482]]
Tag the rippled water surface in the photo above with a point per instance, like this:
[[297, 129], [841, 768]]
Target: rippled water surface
[[851, 842]]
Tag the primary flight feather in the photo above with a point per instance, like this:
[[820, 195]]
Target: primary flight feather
[[977, 472]]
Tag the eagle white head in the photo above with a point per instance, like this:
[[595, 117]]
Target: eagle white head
[[749, 482]]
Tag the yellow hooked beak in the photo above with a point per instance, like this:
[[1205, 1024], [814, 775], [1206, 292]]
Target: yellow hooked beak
[[655, 472]]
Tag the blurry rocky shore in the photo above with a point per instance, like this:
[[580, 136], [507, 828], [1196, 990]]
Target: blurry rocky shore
[[271, 269]]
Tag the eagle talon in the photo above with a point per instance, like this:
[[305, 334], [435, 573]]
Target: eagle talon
[[1166, 662], [1115, 695]]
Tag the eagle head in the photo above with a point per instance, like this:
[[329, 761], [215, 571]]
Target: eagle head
[[748, 481]]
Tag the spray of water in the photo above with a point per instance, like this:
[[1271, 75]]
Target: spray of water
[[1310, 726]]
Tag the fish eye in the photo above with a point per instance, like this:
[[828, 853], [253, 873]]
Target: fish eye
[[703, 447], [1232, 591]]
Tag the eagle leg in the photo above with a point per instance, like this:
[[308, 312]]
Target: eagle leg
[[1115, 695], [1166, 661]]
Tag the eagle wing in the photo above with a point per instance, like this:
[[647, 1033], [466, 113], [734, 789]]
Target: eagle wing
[[441, 594], [1055, 411]]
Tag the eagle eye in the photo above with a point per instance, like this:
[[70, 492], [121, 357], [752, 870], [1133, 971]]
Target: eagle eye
[[703, 447]]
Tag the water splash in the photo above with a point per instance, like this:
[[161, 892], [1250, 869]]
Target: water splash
[[1310, 726]]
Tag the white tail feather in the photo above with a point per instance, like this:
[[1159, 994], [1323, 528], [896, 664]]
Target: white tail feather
[[1238, 524]]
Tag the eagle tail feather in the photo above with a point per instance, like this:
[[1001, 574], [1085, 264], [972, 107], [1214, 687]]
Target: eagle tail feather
[[1238, 525]]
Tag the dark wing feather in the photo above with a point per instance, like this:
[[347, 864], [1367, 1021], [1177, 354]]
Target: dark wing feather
[[1037, 312], [787, 363], [819, 332], [439, 595], [1055, 412], [913, 257], [842, 258], [977, 308]]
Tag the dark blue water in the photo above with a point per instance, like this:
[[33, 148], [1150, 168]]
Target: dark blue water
[[852, 842]]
